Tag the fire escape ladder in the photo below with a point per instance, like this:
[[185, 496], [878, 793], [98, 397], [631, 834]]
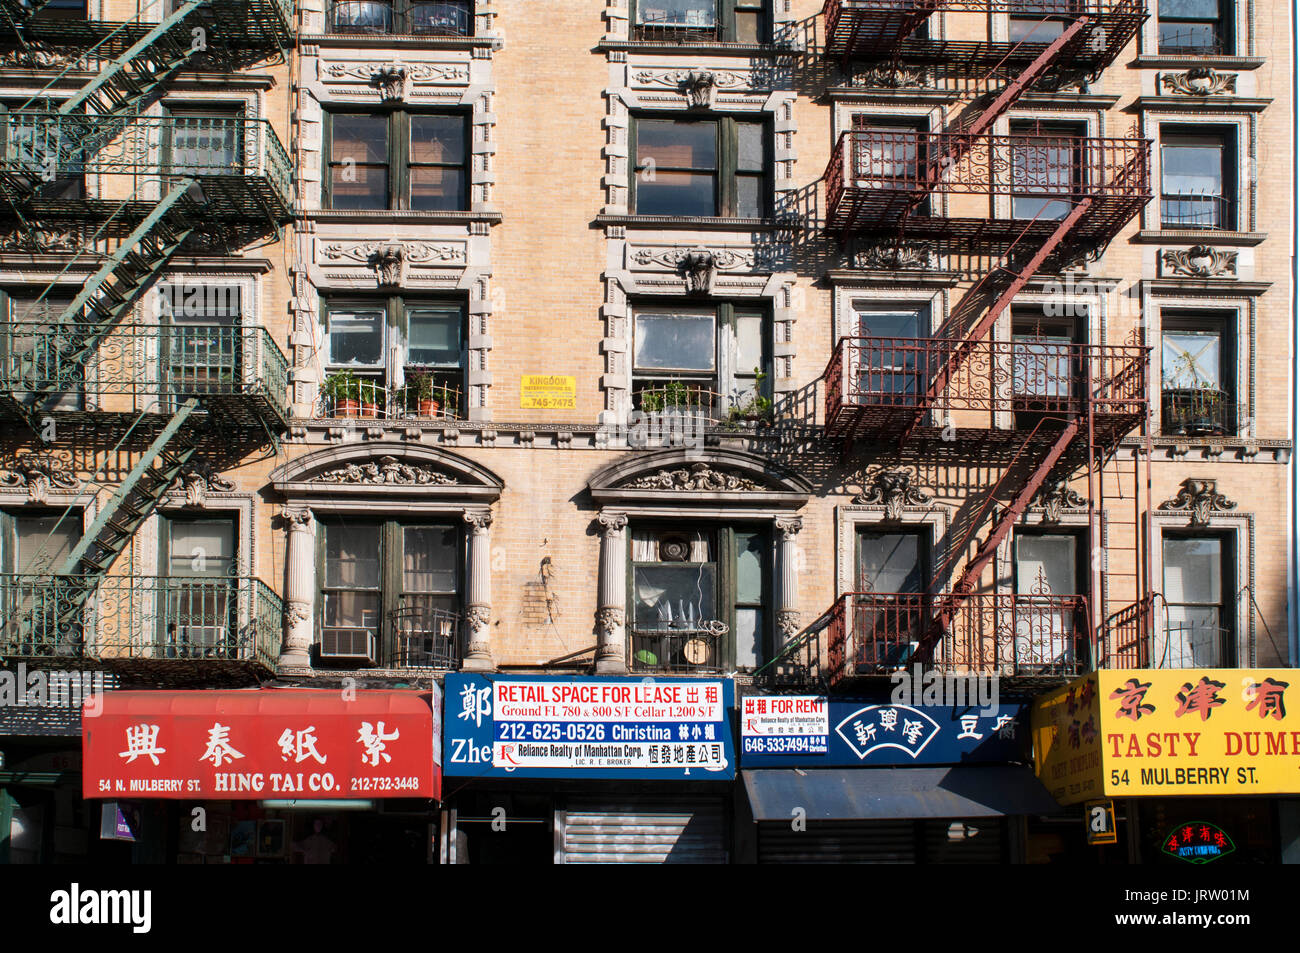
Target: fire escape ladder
[[106, 298], [1002, 524], [1020, 276]]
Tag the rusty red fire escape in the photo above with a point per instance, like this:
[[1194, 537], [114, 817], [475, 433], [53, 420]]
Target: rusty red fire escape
[[1031, 203]]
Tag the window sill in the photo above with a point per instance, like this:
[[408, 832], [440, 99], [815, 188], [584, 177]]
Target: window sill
[[1186, 60], [408, 41], [696, 222], [1198, 236], [400, 215], [718, 47], [1228, 101]]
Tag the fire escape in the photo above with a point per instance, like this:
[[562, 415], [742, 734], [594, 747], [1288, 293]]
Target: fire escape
[[1027, 203], [129, 189]]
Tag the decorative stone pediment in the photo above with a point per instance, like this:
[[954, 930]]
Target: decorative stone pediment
[[894, 489], [896, 257], [38, 474], [420, 74], [688, 476], [394, 472], [1199, 261], [700, 87], [893, 77], [1055, 496], [1199, 81], [1200, 498], [194, 483]]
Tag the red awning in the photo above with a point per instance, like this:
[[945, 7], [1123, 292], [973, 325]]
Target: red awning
[[267, 744]]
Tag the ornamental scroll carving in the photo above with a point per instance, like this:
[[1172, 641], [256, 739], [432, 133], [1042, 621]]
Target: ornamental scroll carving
[[894, 489], [39, 474], [1200, 498], [723, 259], [1055, 496], [418, 73], [1200, 261], [196, 481], [892, 257], [386, 471], [1199, 81], [700, 476]]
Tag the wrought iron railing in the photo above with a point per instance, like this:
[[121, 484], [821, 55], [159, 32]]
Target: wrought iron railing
[[1211, 212], [426, 637], [221, 152], [1198, 412], [678, 26], [1181, 39], [890, 378], [378, 17], [1140, 637], [369, 399], [136, 364], [695, 649], [133, 618], [1007, 634]]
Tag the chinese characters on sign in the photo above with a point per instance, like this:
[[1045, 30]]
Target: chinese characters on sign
[[784, 724]]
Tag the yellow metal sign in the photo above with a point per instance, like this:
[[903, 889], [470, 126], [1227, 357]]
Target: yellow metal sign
[[548, 392], [1099, 817], [1169, 732]]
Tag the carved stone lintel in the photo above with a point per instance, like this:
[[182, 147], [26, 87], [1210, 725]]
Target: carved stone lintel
[[611, 523], [895, 490], [1054, 496], [1199, 261], [724, 259], [414, 253], [893, 77], [1199, 498], [38, 473], [1199, 81], [700, 476], [196, 480], [891, 256], [386, 471]]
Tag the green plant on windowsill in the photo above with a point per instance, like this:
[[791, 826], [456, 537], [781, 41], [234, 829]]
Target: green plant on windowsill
[[343, 391], [752, 405], [673, 394], [1194, 404]]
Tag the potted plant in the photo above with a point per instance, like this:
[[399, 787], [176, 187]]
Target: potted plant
[[751, 405], [343, 391], [372, 399]]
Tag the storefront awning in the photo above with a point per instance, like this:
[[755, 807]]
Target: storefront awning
[[842, 794], [263, 745]]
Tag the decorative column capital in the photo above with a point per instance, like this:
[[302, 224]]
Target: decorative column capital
[[789, 526], [479, 521], [611, 523], [298, 519]]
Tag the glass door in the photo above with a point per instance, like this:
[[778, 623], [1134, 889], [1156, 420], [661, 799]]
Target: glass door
[[892, 603], [197, 597], [1046, 568], [1197, 632]]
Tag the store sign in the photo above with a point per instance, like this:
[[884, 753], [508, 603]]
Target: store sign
[[589, 727], [270, 744], [1169, 732], [1198, 843], [813, 731], [548, 392]]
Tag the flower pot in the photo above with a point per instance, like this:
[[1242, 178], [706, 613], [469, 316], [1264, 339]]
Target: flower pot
[[369, 410], [347, 408], [428, 407]]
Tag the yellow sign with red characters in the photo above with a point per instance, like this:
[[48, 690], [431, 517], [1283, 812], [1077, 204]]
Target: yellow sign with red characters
[[1169, 732]]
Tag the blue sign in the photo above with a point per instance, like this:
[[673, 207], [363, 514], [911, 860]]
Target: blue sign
[[544, 726], [815, 731]]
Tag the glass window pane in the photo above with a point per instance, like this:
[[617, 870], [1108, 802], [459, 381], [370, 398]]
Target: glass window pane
[[362, 16], [750, 136], [750, 651], [359, 139], [1045, 565], [199, 303], [749, 343], [1193, 570], [201, 548], [668, 596], [1192, 169], [41, 546], [441, 19], [749, 196], [1191, 9], [677, 145], [1191, 360], [352, 556], [749, 26], [356, 337], [1035, 30], [429, 559], [749, 567], [433, 336], [205, 145], [676, 193], [352, 610], [889, 562], [361, 187], [674, 342], [438, 139], [677, 12], [437, 189]]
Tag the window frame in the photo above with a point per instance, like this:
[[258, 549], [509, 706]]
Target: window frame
[[1223, 26], [391, 529], [400, 18], [1214, 134], [9, 539], [1224, 323], [1227, 606], [726, 173], [398, 165], [726, 27]]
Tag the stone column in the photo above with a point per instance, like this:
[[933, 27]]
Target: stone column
[[300, 589], [611, 608], [787, 597], [478, 596]]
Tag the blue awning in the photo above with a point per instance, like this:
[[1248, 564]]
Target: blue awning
[[842, 794]]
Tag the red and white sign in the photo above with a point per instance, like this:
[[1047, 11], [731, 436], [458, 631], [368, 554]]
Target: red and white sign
[[264, 744]]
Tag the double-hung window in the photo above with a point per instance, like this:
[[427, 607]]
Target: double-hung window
[[891, 604], [706, 361], [702, 168], [699, 597], [1198, 585], [204, 141], [1197, 183], [197, 598], [405, 160], [200, 346], [730, 21], [32, 546], [1197, 396], [1195, 27], [394, 357], [1047, 568], [32, 347], [1040, 21], [390, 592], [1046, 169], [381, 17]]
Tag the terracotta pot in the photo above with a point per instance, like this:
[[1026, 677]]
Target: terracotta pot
[[347, 408], [369, 410], [429, 407]]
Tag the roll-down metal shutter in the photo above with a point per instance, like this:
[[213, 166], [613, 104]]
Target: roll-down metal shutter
[[837, 842], [642, 831]]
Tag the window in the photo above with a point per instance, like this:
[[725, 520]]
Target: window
[[1044, 369], [1040, 21], [394, 357], [32, 546], [31, 349], [390, 592], [892, 601], [200, 351], [894, 367], [1194, 27], [1197, 395], [892, 152], [1046, 168], [204, 140], [699, 598], [197, 598], [1198, 581], [1197, 184], [397, 160], [446, 18], [37, 543], [707, 361], [29, 127], [701, 168], [731, 21], [1047, 568], [63, 9]]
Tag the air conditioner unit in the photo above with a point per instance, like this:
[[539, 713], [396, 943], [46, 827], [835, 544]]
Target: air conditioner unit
[[348, 644]]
